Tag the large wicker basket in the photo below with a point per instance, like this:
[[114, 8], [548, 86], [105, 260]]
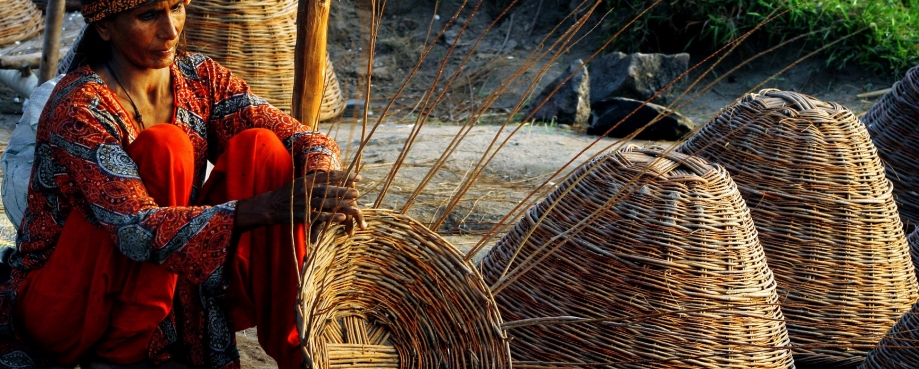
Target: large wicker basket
[[658, 252], [825, 215], [397, 296], [19, 20], [256, 40], [894, 126]]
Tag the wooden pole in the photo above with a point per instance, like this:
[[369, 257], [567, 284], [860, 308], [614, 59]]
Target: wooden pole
[[309, 60], [51, 53]]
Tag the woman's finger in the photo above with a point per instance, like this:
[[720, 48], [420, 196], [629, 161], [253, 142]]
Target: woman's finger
[[319, 224]]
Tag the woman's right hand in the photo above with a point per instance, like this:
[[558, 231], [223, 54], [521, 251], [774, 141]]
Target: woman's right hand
[[317, 198]]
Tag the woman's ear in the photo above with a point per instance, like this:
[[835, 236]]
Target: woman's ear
[[104, 29]]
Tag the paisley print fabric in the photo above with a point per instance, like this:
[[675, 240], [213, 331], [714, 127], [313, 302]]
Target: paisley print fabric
[[100, 9], [81, 165]]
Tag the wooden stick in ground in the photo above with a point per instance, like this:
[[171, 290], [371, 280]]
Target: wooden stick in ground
[[51, 53], [25, 60], [309, 60]]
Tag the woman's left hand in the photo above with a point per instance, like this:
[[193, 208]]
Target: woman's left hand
[[326, 210]]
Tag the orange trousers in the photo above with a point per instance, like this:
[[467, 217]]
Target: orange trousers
[[89, 301]]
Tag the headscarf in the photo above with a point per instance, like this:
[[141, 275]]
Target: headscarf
[[95, 11]]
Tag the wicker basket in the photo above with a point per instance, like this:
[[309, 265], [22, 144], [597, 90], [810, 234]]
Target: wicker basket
[[899, 349], [256, 40], [659, 247], [825, 215], [397, 296], [19, 20], [894, 126]]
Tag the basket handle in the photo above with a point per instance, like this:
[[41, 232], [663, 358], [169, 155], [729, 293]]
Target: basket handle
[[692, 163]]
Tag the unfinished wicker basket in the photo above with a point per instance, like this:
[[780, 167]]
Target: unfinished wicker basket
[[825, 215], [397, 296], [658, 252], [894, 126], [256, 40], [19, 20]]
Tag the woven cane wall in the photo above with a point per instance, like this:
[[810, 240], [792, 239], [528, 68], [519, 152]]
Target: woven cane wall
[[256, 40], [397, 296], [825, 215], [19, 20], [894, 126], [661, 245]]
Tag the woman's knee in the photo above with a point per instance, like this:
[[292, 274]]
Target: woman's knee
[[264, 146]]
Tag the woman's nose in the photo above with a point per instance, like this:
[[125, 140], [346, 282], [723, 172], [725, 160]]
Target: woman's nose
[[169, 26]]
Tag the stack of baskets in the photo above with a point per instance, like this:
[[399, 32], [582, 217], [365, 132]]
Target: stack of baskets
[[256, 40], [825, 215], [899, 349], [641, 259], [894, 126], [396, 295], [19, 20]]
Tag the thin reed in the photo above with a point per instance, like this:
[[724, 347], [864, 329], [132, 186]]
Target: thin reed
[[825, 215], [658, 252], [396, 295], [19, 20], [255, 40], [894, 126]]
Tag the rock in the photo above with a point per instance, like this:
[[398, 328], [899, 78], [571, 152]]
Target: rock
[[636, 76], [570, 104], [609, 112]]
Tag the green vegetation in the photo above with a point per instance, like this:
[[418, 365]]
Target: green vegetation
[[884, 33]]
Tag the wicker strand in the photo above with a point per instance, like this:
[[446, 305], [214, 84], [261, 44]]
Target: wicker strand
[[825, 215]]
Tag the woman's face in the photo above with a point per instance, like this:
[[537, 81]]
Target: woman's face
[[147, 35]]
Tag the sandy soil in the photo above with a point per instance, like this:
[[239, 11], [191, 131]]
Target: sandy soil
[[533, 158]]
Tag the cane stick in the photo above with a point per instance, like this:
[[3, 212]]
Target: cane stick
[[309, 60]]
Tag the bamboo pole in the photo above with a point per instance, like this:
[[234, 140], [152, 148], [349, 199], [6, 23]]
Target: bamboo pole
[[309, 60], [51, 53]]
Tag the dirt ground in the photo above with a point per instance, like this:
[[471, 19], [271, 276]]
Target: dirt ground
[[533, 154]]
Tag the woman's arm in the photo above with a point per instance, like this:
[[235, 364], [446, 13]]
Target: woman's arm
[[317, 198]]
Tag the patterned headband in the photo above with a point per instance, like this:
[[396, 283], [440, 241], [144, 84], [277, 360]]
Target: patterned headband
[[99, 10]]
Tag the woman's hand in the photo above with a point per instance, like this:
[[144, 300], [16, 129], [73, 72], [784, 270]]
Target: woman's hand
[[317, 198]]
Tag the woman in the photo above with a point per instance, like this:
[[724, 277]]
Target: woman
[[125, 255]]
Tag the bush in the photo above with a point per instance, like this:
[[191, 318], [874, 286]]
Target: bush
[[886, 35]]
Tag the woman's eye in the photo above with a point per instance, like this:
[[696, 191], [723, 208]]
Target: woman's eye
[[147, 16]]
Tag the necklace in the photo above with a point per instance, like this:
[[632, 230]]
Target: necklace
[[137, 117]]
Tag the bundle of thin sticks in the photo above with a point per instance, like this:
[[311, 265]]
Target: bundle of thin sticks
[[825, 215]]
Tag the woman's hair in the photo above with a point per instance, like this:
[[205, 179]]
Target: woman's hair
[[93, 50]]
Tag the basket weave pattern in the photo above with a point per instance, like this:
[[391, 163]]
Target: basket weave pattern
[[19, 20], [899, 349], [256, 40], [894, 126], [825, 215], [661, 245], [397, 295]]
